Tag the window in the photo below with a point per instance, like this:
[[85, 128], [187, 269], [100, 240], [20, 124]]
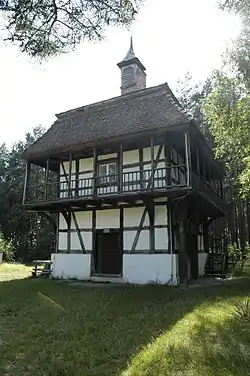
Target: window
[[107, 173]]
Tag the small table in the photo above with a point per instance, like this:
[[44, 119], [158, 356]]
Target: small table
[[42, 266]]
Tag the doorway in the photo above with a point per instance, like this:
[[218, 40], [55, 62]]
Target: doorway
[[108, 253]]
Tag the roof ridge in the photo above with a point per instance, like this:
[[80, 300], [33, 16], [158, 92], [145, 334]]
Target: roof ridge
[[147, 93]]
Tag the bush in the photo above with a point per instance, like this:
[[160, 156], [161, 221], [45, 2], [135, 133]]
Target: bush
[[6, 248]]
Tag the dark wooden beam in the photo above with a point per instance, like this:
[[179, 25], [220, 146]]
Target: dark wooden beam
[[69, 178], [151, 214], [139, 230], [153, 165], [26, 182], [188, 159], [78, 233], [46, 178], [69, 233], [167, 164], [95, 173], [141, 168], [121, 229], [183, 261], [198, 160], [77, 177], [120, 168], [94, 250]]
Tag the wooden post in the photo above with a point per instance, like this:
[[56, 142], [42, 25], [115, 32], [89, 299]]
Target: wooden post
[[70, 173], [198, 161], [141, 168], [204, 168], [46, 179], [94, 250], [221, 189], [152, 162], [183, 272], [151, 227], [188, 159], [69, 232], [168, 165], [77, 178], [121, 169], [26, 182], [95, 174]]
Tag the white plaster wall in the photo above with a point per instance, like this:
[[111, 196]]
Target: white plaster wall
[[1, 258], [131, 156], [62, 223], [202, 259], [132, 217], [62, 245], [84, 219], [69, 266], [161, 215], [143, 269], [200, 243], [161, 239], [107, 156], [87, 240], [142, 244], [108, 218]]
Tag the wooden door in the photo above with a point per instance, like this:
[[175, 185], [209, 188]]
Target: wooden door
[[108, 253]]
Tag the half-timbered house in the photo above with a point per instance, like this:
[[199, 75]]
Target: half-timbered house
[[133, 184]]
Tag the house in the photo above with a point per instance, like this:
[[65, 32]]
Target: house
[[133, 183]]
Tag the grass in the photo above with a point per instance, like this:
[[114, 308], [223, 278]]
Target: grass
[[57, 328], [12, 271]]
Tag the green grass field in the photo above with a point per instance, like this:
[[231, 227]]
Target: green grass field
[[56, 328]]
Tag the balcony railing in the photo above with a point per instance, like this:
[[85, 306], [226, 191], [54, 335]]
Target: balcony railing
[[116, 184]]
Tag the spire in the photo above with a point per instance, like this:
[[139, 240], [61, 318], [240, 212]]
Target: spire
[[133, 76], [130, 53]]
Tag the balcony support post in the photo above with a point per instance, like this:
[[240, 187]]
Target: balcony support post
[[152, 162], [26, 182], [188, 159], [120, 169], [95, 174], [46, 178], [70, 174], [198, 161]]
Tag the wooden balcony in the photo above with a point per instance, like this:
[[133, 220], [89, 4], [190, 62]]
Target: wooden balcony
[[170, 181]]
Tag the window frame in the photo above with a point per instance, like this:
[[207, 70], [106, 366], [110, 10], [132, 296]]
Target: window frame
[[107, 162]]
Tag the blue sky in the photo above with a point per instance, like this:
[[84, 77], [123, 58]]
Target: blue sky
[[171, 37]]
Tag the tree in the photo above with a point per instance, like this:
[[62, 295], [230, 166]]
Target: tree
[[239, 54], [31, 234], [44, 28], [227, 109]]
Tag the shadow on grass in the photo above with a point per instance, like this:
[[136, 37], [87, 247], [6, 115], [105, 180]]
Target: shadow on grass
[[51, 328]]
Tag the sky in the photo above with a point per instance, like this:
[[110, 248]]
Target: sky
[[171, 37]]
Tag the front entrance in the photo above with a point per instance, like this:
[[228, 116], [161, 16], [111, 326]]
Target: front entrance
[[108, 253]]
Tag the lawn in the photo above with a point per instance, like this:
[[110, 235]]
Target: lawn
[[56, 328]]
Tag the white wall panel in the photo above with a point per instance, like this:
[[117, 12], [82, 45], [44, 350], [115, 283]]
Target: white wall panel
[[202, 259], [108, 218], [161, 217], [132, 217], [107, 156], [83, 218], [86, 164], [142, 269], [62, 223], [62, 241], [131, 156], [69, 266], [161, 239], [87, 241]]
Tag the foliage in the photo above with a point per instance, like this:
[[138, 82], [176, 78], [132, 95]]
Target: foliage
[[239, 54], [190, 96], [6, 248], [30, 233], [227, 109], [243, 310], [44, 28], [64, 328], [237, 254]]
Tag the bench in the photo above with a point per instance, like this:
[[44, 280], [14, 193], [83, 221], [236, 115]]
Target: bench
[[43, 267]]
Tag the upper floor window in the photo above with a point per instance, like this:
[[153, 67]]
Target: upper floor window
[[107, 172]]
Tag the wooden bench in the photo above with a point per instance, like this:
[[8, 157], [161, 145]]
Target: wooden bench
[[41, 266]]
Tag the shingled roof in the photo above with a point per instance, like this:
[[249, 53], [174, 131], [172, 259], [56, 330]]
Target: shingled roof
[[145, 110]]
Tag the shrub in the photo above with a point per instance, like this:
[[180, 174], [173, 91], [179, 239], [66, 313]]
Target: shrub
[[6, 248]]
